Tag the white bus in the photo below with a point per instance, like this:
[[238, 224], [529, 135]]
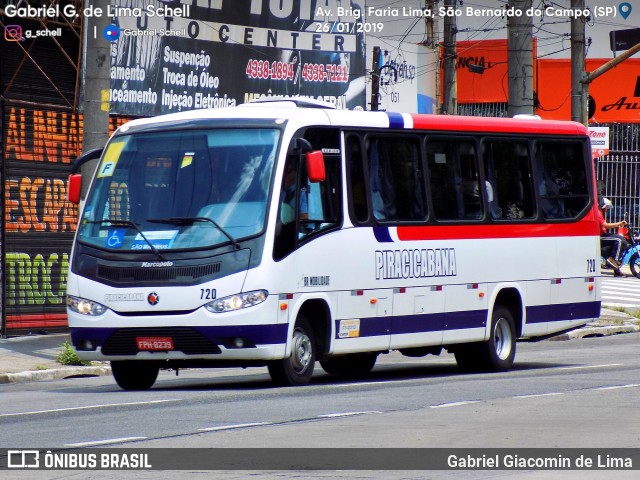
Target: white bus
[[283, 233]]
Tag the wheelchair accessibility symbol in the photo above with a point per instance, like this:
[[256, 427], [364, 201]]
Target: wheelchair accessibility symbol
[[115, 238]]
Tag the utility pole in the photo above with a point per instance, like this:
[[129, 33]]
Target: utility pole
[[431, 29], [591, 76], [450, 95], [579, 88], [520, 57], [96, 64], [375, 79]]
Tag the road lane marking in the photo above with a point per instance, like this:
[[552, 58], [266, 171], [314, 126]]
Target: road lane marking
[[615, 289], [617, 296], [455, 404], [87, 407], [589, 366], [232, 427], [539, 395], [616, 387], [347, 414], [105, 442], [357, 384]]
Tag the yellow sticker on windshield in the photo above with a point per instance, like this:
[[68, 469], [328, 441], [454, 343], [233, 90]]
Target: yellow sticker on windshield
[[110, 159], [187, 159]]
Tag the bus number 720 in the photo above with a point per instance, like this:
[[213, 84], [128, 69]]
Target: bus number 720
[[207, 294]]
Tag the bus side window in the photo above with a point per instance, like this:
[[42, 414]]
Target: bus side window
[[305, 208], [562, 184], [357, 186], [322, 200], [507, 169], [453, 178], [396, 179]]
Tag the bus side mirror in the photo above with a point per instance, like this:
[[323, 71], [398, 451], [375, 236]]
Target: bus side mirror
[[315, 166], [84, 158], [74, 186], [74, 183]]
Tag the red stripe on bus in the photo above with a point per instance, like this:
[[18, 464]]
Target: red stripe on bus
[[467, 232], [452, 123]]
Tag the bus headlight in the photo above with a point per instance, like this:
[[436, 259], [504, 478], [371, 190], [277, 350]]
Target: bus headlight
[[237, 302], [85, 307]]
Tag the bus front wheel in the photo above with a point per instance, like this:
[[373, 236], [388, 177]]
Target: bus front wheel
[[297, 369], [134, 375], [496, 354]]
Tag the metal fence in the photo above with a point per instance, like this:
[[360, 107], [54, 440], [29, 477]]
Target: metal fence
[[618, 173], [483, 109]]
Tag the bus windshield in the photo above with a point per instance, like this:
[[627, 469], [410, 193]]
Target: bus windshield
[[180, 189]]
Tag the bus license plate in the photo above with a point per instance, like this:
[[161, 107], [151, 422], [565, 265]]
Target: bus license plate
[[154, 343]]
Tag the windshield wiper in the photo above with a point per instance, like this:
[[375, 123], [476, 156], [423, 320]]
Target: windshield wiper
[[180, 221], [130, 224]]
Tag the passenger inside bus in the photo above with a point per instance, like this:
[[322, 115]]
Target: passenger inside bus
[[289, 190]]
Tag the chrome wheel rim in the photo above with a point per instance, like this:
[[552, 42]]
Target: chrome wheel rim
[[302, 350], [502, 338]]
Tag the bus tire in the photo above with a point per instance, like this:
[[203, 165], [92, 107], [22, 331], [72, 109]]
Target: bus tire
[[353, 365], [297, 369], [135, 375], [496, 354], [467, 357], [634, 264]]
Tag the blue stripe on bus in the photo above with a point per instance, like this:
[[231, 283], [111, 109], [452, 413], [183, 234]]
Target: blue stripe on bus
[[396, 120], [382, 234], [258, 334], [562, 311], [433, 322], [422, 323]]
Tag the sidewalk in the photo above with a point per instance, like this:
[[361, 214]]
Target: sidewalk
[[33, 357]]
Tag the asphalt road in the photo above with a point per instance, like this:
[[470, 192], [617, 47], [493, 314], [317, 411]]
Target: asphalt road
[[621, 291], [578, 393]]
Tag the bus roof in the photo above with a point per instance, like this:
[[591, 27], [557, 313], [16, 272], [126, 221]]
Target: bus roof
[[318, 113]]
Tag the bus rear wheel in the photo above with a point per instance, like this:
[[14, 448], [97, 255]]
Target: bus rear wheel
[[134, 375], [496, 354], [297, 369], [353, 365]]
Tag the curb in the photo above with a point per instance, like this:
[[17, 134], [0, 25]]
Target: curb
[[596, 331], [54, 374]]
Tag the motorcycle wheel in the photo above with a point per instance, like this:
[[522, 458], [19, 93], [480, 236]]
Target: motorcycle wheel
[[634, 264]]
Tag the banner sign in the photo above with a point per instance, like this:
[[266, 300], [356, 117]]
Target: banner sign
[[614, 96], [482, 70], [211, 54], [407, 78], [599, 141]]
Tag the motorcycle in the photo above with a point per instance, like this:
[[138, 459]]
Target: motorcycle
[[630, 254]]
